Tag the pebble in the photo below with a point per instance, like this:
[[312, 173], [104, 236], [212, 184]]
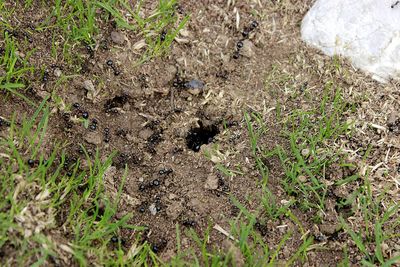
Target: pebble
[[329, 229], [305, 152], [174, 210], [392, 118], [91, 90], [211, 183], [302, 178], [117, 37], [145, 133], [93, 138], [153, 209], [248, 49], [57, 72], [194, 86]]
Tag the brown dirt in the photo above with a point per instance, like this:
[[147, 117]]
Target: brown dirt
[[149, 119]]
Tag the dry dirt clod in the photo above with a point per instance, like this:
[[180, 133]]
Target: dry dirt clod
[[174, 210], [88, 85], [198, 205], [211, 183], [91, 92], [145, 133], [329, 229], [392, 118], [93, 138], [248, 49], [117, 37]]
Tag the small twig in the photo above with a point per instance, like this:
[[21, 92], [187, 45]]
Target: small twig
[[222, 231], [395, 4], [172, 99]]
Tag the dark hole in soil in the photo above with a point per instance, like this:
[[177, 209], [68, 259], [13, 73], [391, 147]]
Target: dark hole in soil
[[116, 102], [197, 137]]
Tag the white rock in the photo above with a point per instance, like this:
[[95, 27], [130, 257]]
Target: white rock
[[57, 72], [153, 209], [367, 32]]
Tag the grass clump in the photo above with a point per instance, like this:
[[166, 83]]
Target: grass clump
[[310, 152], [378, 226], [79, 22], [54, 212], [13, 67]]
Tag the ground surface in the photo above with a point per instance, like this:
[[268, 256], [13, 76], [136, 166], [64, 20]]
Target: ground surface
[[307, 145]]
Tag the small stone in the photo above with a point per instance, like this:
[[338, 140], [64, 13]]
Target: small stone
[[211, 183], [174, 210], [302, 178], [385, 248], [91, 92], [88, 85], [19, 54], [248, 49], [198, 205], [93, 138], [145, 133], [153, 209], [194, 86], [305, 152], [392, 118], [117, 37], [57, 72], [329, 229], [170, 72]]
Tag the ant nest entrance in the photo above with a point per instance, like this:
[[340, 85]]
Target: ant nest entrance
[[199, 136]]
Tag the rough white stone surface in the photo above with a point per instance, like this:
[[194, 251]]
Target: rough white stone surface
[[366, 31]]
